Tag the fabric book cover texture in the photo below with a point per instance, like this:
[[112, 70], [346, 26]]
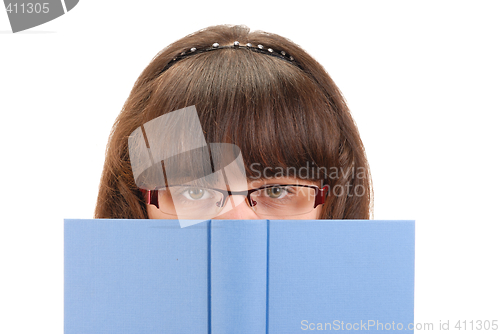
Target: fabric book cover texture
[[238, 276]]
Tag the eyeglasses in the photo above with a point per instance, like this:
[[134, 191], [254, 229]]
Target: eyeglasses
[[190, 202]]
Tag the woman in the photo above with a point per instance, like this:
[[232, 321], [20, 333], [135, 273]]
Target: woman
[[269, 98]]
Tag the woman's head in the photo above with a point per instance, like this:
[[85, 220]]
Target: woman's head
[[285, 114]]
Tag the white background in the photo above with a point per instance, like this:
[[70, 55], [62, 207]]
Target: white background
[[422, 79]]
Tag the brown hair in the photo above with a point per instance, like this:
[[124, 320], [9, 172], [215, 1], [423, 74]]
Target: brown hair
[[280, 114]]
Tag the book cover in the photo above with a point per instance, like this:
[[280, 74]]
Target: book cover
[[241, 276]]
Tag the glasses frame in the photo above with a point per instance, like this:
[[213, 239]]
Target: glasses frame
[[151, 196]]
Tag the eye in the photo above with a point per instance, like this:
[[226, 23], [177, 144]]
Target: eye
[[276, 192], [195, 193]]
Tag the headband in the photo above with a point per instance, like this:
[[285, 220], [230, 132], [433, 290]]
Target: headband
[[236, 45]]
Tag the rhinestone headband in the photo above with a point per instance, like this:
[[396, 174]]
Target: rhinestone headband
[[215, 46]]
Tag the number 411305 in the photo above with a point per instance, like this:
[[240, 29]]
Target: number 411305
[[477, 325], [28, 8]]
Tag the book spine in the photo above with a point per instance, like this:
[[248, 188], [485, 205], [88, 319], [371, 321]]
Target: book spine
[[238, 276]]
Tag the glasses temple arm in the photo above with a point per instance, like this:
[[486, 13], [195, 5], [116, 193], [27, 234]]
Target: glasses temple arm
[[151, 197], [320, 196]]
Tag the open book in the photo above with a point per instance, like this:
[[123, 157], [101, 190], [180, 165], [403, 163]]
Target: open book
[[237, 276]]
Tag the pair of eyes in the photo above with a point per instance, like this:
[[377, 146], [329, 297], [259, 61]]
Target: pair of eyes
[[196, 194]]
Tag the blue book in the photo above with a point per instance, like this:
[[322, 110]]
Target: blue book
[[238, 276]]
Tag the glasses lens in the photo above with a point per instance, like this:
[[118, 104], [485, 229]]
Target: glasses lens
[[282, 200], [190, 202]]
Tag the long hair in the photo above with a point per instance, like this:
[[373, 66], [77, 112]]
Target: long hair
[[282, 115]]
